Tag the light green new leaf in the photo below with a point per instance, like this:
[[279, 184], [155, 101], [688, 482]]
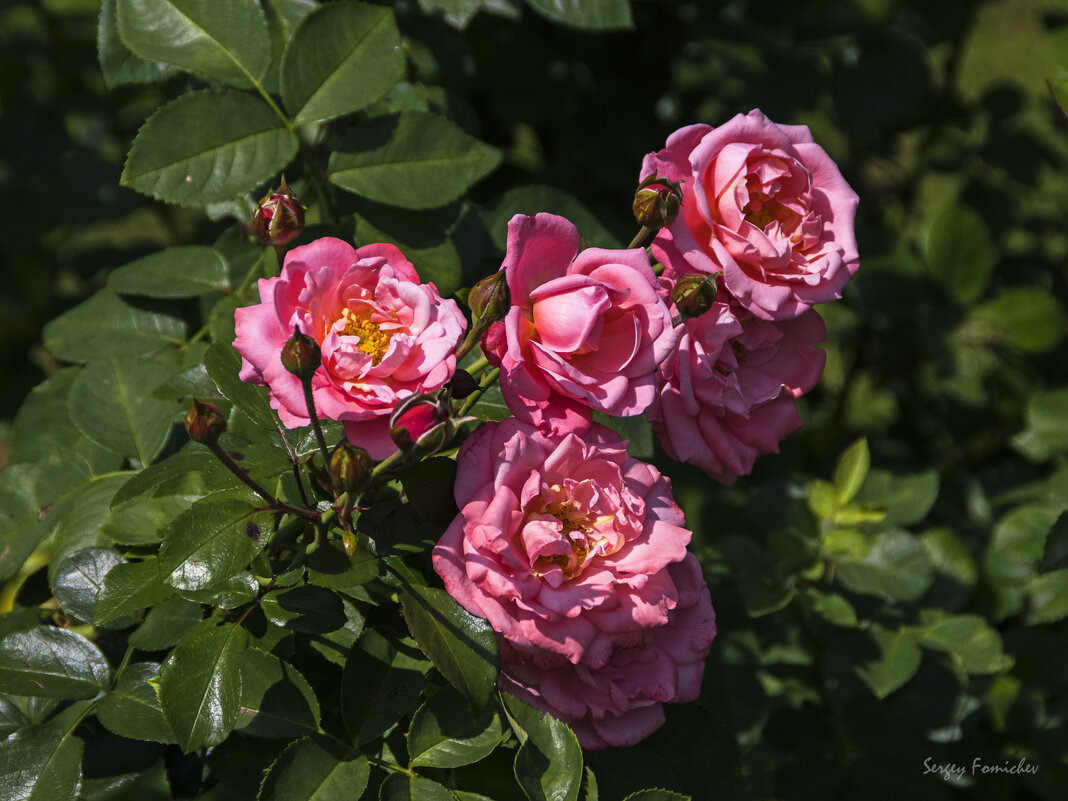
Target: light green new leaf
[[898, 660], [594, 15], [207, 147], [1047, 425], [105, 325], [117, 63], [51, 662], [444, 735], [212, 541], [548, 764], [1048, 597], [224, 42], [200, 684], [413, 159], [343, 57], [851, 471], [40, 763], [461, 646], [179, 272], [969, 638], [132, 709], [315, 769], [111, 403], [897, 568]]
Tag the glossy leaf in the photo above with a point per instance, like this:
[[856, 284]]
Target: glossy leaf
[[40, 763], [166, 623], [412, 159], [105, 325], [129, 587], [193, 458], [223, 42], [343, 57], [110, 403], [399, 787], [315, 769], [206, 147], [276, 700], [139, 521], [117, 63], [548, 764], [212, 541], [52, 662], [132, 709], [178, 272], [307, 608], [200, 685], [461, 646], [590, 14], [444, 734], [379, 686], [78, 580], [224, 364]]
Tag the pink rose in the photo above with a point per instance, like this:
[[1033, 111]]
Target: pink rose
[[576, 555], [585, 331], [765, 206], [384, 336], [727, 393]]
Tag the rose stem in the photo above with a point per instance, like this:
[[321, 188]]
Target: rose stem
[[310, 402], [487, 379], [641, 236], [230, 465]]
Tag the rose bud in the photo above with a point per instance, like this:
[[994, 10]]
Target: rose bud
[[489, 299], [279, 217], [421, 420], [204, 422], [694, 294], [301, 355], [462, 384], [350, 467], [494, 343], [657, 201]]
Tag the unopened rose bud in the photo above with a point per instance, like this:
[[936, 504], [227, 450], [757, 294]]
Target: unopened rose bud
[[301, 355], [494, 343], [657, 201], [462, 384], [420, 420], [204, 422], [694, 294], [489, 299], [350, 467], [279, 217]]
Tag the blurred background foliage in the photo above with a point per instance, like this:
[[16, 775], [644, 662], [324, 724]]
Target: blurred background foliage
[[869, 619]]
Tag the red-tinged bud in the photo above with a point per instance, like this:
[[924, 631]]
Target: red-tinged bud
[[204, 422], [694, 294], [657, 201], [279, 217], [301, 355], [421, 421], [350, 467], [490, 299], [494, 343], [462, 384]]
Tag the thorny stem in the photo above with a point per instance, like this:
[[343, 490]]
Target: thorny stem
[[231, 465]]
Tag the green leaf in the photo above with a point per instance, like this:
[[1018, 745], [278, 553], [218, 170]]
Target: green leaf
[[420, 237], [413, 159], [276, 700], [591, 786], [105, 325], [960, 253], [907, 498], [118, 65], [138, 521], [832, 608], [537, 198], [443, 733], [1058, 89], [307, 608], [40, 763], [1027, 318], [596, 15], [456, 12], [78, 580], [129, 587], [233, 592], [851, 471], [207, 147], [166, 623], [1017, 543], [224, 42], [461, 646], [51, 662], [200, 684], [378, 687], [331, 567], [637, 430], [76, 521], [955, 568], [1047, 425], [491, 405], [428, 485], [315, 769], [342, 58], [178, 272], [897, 568], [548, 764], [223, 363], [212, 541], [111, 404], [969, 638], [656, 795], [898, 660], [192, 459], [132, 709], [1048, 597], [399, 787]]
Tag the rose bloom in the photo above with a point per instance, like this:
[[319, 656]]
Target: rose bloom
[[383, 334], [765, 206], [726, 394], [576, 555], [585, 331]]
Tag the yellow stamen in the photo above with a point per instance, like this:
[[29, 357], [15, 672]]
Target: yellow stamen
[[373, 341]]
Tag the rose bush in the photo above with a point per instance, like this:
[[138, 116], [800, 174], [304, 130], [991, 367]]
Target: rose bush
[[726, 393], [764, 205], [384, 336], [576, 554], [585, 330]]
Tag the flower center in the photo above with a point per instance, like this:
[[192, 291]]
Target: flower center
[[373, 341]]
